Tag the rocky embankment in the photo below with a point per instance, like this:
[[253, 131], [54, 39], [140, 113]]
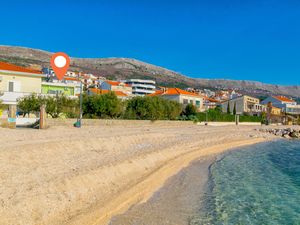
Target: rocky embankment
[[283, 132]]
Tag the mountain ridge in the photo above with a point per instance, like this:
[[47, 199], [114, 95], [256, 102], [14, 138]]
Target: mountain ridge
[[124, 68]]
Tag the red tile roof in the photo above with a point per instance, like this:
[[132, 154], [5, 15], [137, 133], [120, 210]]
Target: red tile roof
[[174, 91], [283, 99], [211, 99], [115, 83], [71, 78], [15, 68], [100, 92]]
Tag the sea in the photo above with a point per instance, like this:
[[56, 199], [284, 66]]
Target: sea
[[257, 184]]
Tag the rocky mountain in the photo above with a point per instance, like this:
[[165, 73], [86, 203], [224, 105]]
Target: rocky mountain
[[122, 68]]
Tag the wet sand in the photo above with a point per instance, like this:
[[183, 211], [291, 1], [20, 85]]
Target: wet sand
[[176, 202]]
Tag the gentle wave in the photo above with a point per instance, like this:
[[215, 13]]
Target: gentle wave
[[259, 184]]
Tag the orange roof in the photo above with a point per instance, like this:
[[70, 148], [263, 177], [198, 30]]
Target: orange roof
[[174, 91], [157, 92], [283, 99], [211, 99], [115, 83], [100, 92], [71, 78], [11, 67]]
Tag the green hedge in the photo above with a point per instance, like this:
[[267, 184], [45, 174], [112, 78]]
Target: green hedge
[[217, 116]]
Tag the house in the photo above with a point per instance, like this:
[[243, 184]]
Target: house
[[209, 93], [286, 104], [222, 95], [53, 88], [95, 91], [273, 114], [17, 82], [275, 111], [141, 87], [279, 101], [210, 103], [116, 86], [243, 105], [181, 96]]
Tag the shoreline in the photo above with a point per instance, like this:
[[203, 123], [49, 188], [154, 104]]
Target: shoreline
[[178, 200], [142, 191]]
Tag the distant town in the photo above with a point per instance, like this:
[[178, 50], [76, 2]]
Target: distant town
[[17, 82]]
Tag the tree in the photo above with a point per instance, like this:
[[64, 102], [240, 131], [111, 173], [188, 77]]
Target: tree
[[152, 108], [30, 104], [55, 106], [102, 106], [234, 109], [228, 108], [190, 110]]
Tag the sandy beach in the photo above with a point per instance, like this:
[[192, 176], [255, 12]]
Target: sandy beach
[[65, 175]]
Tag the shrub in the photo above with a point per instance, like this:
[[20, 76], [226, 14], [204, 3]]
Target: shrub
[[55, 106], [102, 106], [152, 108], [190, 110]]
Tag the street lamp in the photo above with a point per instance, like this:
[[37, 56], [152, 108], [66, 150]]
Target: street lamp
[[79, 120]]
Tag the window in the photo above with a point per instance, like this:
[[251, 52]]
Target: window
[[185, 101], [198, 103], [11, 86]]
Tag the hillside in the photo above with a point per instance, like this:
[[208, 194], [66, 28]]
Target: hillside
[[122, 68]]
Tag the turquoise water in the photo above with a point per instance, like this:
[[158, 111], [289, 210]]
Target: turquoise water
[[256, 185]]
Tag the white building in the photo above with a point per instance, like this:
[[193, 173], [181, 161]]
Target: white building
[[181, 96], [244, 105], [141, 87], [17, 82], [287, 105]]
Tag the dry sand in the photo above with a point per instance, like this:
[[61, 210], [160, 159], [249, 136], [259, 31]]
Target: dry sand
[[66, 175]]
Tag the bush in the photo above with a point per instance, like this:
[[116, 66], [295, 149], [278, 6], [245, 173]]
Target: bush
[[152, 108], [190, 110], [55, 106], [215, 115], [102, 106]]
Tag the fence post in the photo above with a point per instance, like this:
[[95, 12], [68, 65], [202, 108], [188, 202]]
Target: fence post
[[43, 116], [12, 110]]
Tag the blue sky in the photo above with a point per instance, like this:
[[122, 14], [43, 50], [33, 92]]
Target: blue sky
[[249, 40]]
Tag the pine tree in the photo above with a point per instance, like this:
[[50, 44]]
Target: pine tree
[[234, 109], [228, 108]]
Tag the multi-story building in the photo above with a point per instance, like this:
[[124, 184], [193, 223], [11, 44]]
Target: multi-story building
[[243, 105], [17, 82], [287, 105], [181, 96], [141, 87]]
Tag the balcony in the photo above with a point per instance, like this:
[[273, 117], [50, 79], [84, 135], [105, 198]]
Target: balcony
[[143, 86]]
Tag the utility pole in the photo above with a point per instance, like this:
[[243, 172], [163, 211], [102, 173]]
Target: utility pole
[[79, 120]]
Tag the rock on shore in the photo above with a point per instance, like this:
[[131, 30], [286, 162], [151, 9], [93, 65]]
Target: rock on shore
[[283, 132]]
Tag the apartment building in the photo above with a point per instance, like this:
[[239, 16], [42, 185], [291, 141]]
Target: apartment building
[[243, 105], [141, 87], [286, 104]]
